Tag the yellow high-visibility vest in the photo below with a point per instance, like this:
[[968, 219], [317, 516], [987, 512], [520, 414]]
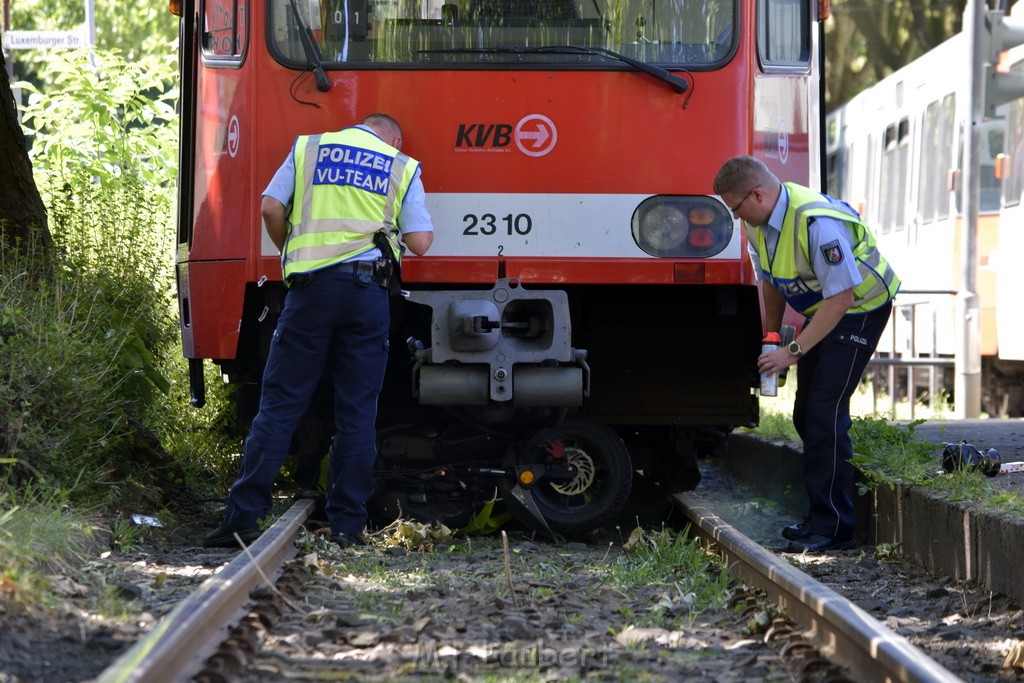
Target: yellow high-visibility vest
[[790, 272], [349, 184]]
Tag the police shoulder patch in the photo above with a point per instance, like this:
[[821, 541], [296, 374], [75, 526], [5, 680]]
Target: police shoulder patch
[[832, 252]]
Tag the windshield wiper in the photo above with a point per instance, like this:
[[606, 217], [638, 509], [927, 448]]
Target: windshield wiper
[[323, 84], [677, 83]]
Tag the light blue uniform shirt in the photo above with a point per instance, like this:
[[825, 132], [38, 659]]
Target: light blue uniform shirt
[[413, 216], [833, 277]]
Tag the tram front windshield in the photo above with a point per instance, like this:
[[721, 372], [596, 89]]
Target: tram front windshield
[[477, 33]]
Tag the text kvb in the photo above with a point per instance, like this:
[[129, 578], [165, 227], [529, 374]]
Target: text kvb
[[484, 135]]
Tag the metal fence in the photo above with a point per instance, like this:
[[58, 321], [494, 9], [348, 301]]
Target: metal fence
[[907, 352]]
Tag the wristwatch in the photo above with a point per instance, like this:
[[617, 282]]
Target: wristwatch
[[794, 348]]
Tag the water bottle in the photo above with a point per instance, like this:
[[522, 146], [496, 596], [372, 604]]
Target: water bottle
[[770, 383]]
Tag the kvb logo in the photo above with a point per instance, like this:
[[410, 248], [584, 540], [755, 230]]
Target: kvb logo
[[483, 137], [534, 135]]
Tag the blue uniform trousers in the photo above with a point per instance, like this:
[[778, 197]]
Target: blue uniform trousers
[[826, 379], [330, 323]]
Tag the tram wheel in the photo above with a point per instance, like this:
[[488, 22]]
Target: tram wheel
[[600, 480]]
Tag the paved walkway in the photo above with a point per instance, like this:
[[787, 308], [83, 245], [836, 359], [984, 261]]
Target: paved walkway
[[1004, 435]]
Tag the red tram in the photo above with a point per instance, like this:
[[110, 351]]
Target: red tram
[[587, 309]]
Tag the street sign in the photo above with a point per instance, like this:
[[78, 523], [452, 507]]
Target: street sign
[[44, 40]]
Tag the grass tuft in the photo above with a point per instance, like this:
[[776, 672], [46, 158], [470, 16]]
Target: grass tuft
[[688, 577], [40, 536]]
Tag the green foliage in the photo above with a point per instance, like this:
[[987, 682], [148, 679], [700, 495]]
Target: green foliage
[[104, 156], [966, 485], [106, 121], [970, 485], [137, 30], [866, 40], [889, 453], [204, 442], [93, 388], [60, 396], [1009, 502], [83, 327], [775, 422], [776, 427], [124, 535]]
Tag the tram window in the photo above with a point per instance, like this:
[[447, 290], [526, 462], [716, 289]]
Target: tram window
[[225, 30], [902, 174], [871, 179], [991, 146], [490, 33], [847, 186], [1013, 180], [945, 160], [929, 172], [783, 34], [887, 196], [835, 157], [834, 163], [936, 159], [895, 169]]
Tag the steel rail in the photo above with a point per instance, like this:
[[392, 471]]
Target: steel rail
[[846, 633], [178, 646]]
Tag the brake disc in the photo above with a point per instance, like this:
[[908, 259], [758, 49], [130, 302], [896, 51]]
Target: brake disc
[[585, 471]]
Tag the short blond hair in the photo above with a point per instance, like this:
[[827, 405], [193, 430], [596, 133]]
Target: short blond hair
[[741, 173], [384, 124]]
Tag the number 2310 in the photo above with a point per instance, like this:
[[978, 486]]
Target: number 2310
[[489, 224]]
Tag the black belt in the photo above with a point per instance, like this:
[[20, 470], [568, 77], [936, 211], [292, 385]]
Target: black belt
[[357, 267], [352, 266]]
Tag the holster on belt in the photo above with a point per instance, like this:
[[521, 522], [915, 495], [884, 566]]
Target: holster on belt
[[387, 270]]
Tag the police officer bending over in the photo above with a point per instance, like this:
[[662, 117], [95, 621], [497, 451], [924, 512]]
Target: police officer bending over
[[335, 198], [821, 259]]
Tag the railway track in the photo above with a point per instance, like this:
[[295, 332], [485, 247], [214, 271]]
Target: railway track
[[845, 632], [179, 646]]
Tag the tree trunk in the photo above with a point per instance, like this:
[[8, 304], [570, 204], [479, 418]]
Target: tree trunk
[[22, 213]]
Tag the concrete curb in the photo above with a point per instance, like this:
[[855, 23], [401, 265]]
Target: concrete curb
[[949, 539]]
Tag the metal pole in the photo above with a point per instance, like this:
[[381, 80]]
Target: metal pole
[[967, 384], [90, 21], [911, 372]]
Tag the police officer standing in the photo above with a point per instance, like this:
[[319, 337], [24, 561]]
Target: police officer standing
[[336, 208], [820, 258]]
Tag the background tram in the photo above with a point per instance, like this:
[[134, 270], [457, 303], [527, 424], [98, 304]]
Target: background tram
[[587, 309], [895, 152], [1008, 367]]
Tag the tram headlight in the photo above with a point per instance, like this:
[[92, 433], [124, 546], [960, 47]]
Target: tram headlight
[[681, 227]]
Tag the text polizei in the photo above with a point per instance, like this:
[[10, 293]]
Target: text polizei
[[361, 168]]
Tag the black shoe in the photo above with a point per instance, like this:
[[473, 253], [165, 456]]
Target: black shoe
[[224, 536], [819, 544], [346, 540], [797, 531]]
